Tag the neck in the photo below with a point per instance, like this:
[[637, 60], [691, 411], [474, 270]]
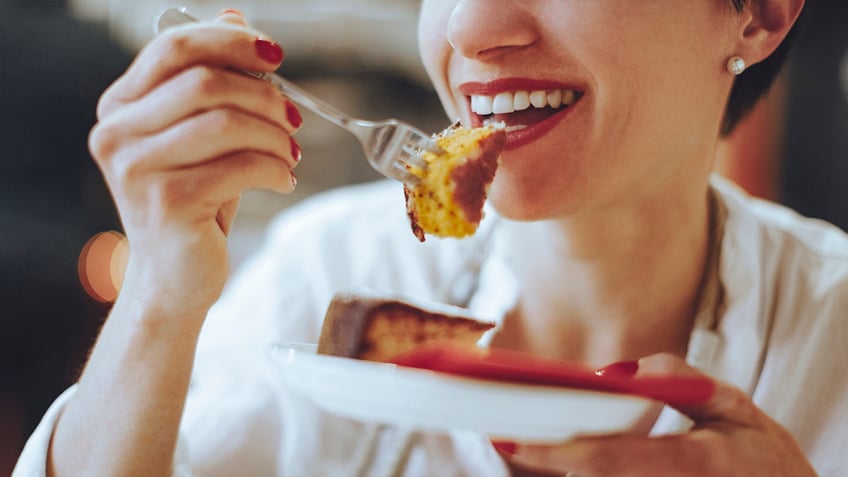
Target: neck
[[612, 284]]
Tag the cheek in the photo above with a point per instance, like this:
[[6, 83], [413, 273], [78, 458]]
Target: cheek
[[435, 51], [432, 36]]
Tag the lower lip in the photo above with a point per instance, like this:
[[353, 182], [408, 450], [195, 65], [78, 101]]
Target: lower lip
[[521, 137], [516, 139]]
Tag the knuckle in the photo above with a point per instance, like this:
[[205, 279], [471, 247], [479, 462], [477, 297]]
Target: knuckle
[[739, 405], [242, 164], [108, 101], [105, 105], [205, 81], [102, 142], [271, 96], [176, 44], [220, 122]]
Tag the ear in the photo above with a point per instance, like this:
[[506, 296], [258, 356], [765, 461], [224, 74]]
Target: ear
[[765, 23]]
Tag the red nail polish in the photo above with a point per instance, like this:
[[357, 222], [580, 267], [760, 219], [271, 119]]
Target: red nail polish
[[293, 115], [231, 11], [269, 51], [295, 151], [505, 447], [620, 369]]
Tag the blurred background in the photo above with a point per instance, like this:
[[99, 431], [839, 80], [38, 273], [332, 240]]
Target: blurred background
[[57, 56]]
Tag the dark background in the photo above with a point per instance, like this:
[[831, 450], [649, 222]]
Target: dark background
[[52, 199], [52, 70]]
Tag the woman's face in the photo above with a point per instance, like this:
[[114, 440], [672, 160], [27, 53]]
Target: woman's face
[[644, 82]]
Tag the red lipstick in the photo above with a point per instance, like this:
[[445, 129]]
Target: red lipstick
[[539, 125]]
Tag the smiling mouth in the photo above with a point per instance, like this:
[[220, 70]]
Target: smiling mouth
[[521, 109]]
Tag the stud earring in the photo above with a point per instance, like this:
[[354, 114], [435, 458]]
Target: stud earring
[[736, 65]]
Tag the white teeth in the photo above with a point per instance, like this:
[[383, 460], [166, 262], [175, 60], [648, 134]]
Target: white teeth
[[539, 99], [555, 98], [508, 102], [521, 101], [482, 105], [503, 103]]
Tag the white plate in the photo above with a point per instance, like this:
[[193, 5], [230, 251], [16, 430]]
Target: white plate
[[424, 399]]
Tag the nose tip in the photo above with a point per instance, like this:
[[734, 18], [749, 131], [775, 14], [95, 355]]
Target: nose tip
[[479, 29]]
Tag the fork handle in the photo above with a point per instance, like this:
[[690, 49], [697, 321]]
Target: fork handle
[[301, 97], [178, 16]]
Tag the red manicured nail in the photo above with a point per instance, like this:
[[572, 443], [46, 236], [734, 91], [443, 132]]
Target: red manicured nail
[[232, 11], [505, 447], [295, 151], [293, 115], [269, 51], [620, 369]]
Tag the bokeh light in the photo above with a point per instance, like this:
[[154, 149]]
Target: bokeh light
[[102, 264]]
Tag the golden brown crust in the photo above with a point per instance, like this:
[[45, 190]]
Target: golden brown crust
[[448, 200], [413, 215], [473, 177], [378, 329]]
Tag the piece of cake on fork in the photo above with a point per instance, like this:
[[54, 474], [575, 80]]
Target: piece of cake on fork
[[448, 199]]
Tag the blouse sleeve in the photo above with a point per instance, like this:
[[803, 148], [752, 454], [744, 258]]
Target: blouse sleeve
[[33, 460]]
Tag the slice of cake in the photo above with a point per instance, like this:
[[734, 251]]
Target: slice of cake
[[448, 200], [378, 329]]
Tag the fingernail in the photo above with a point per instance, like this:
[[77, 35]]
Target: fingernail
[[505, 447], [295, 151], [230, 11], [294, 180], [620, 369], [293, 115], [269, 51]]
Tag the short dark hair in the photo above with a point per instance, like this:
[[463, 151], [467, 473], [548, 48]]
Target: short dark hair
[[755, 81]]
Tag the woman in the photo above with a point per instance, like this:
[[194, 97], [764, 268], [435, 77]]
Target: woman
[[613, 244]]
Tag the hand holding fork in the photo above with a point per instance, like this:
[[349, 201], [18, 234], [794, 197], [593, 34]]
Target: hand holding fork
[[391, 146]]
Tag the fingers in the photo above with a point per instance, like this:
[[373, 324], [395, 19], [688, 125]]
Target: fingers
[[723, 450], [214, 134], [727, 403], [200, 89], [224, 179], [184, 198], [731, 436], [622, 455], [231, 15], [224, 44], [183, 133]]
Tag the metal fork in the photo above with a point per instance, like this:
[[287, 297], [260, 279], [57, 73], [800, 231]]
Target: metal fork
[[391, 146]]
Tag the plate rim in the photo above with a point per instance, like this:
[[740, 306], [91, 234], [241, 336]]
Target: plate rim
[[303, 356]]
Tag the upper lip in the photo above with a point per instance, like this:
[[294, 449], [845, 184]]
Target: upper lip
[[490, 88]]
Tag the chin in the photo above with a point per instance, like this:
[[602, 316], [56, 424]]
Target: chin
[[516, 202]]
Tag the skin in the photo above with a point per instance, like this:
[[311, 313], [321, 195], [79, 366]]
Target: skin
[[179, 138], [620, 187], [616, 193], [629, 176]]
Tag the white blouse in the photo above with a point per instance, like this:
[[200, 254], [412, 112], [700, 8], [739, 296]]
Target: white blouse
[[781, 336]]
